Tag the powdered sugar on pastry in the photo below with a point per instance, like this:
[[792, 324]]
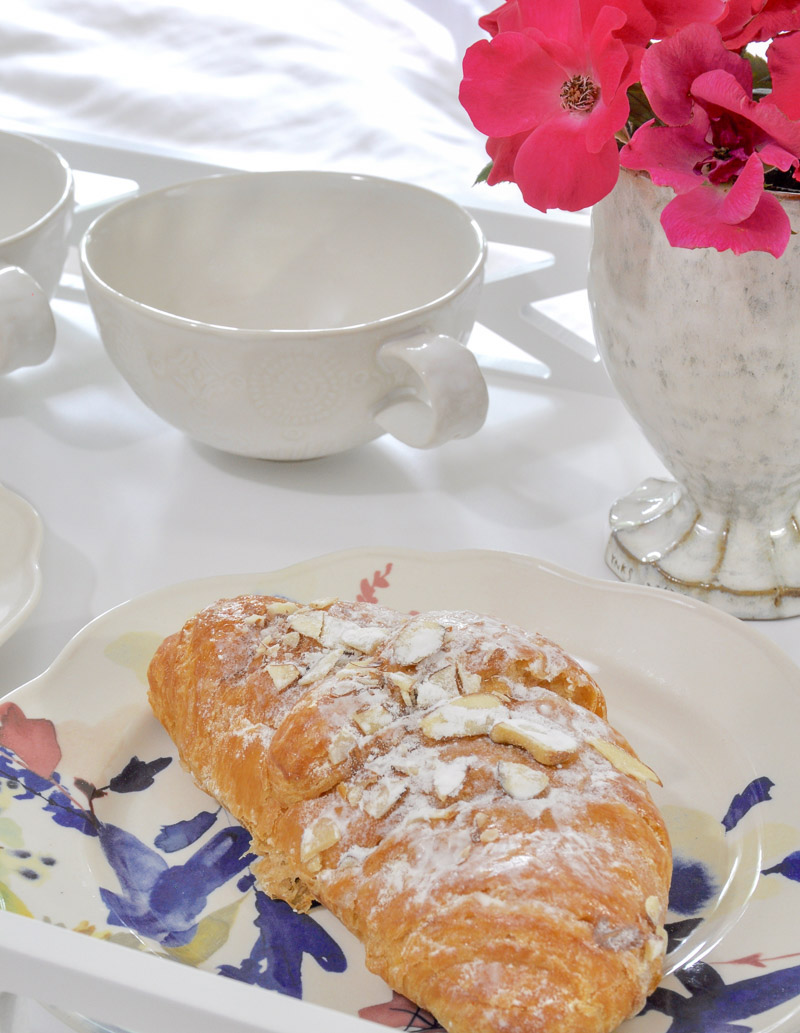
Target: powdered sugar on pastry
[[448, 786]]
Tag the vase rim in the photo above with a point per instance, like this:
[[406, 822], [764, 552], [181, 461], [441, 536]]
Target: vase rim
[[643, 175]]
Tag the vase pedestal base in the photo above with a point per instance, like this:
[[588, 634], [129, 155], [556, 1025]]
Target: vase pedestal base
[[659, 537]]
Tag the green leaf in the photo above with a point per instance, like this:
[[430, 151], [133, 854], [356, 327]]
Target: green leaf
[[10, 834], [641, 111], [9, 901], [483, 175], [762, 81]]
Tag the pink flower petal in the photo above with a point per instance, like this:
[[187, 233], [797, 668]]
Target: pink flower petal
[[640, 25], [399, 1013], [738, 14], [503, 152], [721, 91], [768, 20], [505, 18], [773, 154], [561, 21], [610, 59], [558, 21], [568, 20], [670, 67], [669, 154], [32, 739], [510, 85], [783, 57], [743, 197], [568, 59], [692, 220], [672, 15], [606, 120], [554, 169]]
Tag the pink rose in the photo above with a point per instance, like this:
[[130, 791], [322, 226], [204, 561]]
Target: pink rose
[[715, 135], [549, 90]]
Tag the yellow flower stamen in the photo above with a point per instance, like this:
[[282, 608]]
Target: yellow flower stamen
[[579, 93]]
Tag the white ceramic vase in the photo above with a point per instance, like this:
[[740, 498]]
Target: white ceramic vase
[[704, 350]]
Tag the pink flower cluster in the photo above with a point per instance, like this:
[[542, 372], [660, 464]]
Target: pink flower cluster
[[551, 89]]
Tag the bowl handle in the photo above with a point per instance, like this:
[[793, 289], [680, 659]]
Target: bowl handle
[[441, 394], [27, 327]]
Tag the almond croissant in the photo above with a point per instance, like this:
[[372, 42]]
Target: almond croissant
[[447, 786]]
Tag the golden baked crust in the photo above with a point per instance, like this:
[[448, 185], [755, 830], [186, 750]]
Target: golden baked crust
[[447, 786]]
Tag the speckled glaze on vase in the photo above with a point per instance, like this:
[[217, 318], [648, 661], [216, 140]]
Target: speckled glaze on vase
[[704, 350]]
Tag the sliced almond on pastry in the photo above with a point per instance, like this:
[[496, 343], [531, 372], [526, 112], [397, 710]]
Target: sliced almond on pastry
[[624, 761], [653, 908], [470, 680], [380, 799], [544, 742], [372, 720], [448, 777], [322, 835], [467, 715], [281, 606], [438, 687], [418, 640], [656, 945], [476, 701], [341, 745], [308, 623], [520, 781], [283, 675], [405, 683], [324, 665], [364, 639]]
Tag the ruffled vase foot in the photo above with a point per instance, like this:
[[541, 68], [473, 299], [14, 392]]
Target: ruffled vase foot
[[660, 537]]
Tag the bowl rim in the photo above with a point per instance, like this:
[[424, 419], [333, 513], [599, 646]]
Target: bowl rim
[[64, 198], [92, 278]]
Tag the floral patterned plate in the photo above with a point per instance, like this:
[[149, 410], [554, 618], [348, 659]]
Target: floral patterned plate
[[121, 864], [20, 543]]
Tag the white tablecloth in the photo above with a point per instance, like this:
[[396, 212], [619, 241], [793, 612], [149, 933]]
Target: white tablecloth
[[129, 504]]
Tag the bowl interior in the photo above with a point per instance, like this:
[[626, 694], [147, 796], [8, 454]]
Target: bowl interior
[[285, 251], [33, 180]]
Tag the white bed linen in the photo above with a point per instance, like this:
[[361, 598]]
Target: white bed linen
[[356, 85]]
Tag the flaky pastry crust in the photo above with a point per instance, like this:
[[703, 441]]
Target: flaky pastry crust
[[448, 786]]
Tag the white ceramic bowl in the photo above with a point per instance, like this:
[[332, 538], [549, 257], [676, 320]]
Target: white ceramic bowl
[[36, 206], [293, 314], [36, 198]]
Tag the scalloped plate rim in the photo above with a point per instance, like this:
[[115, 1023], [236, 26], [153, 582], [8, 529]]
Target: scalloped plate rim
[[657, 596]]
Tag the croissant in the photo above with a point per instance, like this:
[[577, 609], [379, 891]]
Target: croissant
[[445, 784]]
